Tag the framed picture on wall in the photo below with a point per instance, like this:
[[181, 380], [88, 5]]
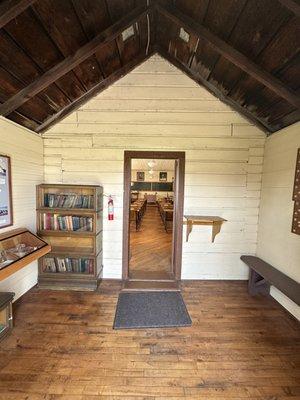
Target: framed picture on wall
[[163, 176], [6, 216], [140, 176]]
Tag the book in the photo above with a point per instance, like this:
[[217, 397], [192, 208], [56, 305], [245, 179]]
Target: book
[[57, 222], [53, 200], [69, 265]]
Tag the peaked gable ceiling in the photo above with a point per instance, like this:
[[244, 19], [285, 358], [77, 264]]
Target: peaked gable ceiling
[[55, 55]]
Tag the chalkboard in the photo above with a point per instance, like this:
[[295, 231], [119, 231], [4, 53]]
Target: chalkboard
[[153, 186], [141, 186], [162, 186]]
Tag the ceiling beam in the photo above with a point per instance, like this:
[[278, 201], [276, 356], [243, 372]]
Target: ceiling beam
[[292, 6], [215, 91], [72, 61], [231, 54], [10, 9], [124, 70]]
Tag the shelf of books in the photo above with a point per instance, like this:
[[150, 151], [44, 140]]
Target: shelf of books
[[69, 218]]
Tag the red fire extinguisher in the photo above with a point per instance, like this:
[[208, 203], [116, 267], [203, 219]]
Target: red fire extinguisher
[[110, 209]]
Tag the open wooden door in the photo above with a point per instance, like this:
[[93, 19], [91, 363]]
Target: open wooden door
[[179, 158]]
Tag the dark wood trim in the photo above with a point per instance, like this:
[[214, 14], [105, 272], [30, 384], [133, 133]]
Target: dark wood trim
[[292, 6], [93, 92], [231, 54], [10, 9], [261, 124], [72, 61], [179, 157], [126, 216], [10, 192]]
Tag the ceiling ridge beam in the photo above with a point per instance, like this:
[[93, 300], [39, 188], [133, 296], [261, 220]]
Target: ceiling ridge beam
[[231, 54], [10, 9], [261, 124], [112, 78], [72, 61], [292, 6]]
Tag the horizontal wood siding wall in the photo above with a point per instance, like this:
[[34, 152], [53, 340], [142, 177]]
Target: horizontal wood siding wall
[[26, 151], [156, 107], [276, 243]]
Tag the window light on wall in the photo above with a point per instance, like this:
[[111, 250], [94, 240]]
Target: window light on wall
[[128, 33], [184, 35]]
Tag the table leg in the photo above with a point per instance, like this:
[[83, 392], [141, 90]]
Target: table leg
[[215, 230]]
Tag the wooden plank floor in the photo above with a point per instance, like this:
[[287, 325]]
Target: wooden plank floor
[[151, 246], [63, 347]]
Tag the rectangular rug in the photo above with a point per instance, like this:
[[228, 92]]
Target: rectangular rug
[[151, 310]]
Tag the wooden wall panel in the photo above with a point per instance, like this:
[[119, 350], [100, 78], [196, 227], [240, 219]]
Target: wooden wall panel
[[276, 243], [158, 107], [26, 152]]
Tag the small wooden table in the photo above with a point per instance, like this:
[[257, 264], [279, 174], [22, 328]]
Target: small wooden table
[[215, 222]]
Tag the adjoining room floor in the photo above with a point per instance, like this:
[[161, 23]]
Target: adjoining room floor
[[63, 347], [151, 246]]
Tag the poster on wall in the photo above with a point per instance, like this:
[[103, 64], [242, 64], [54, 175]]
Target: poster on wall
[[5, 192], [296, 198], [140, 176], [163, 176]]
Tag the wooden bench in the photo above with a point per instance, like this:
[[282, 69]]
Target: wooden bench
[[263, 275]]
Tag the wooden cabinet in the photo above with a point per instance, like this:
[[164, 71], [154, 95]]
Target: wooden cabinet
[[6, 317], [69, 218]]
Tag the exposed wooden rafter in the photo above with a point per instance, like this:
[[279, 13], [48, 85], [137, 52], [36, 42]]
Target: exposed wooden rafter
[[214, 90], [292, 6], [230, 53], [10, 9], [72, 61], [89, 39], [125, 69]]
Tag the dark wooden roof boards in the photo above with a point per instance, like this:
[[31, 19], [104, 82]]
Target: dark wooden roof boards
[[55, 55]]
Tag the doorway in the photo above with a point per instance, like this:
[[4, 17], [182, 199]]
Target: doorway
[[153, 215]]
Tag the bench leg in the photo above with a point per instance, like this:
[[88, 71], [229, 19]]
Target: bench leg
[[257, 284]]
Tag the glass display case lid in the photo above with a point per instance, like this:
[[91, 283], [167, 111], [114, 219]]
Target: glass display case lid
[[19, 247]]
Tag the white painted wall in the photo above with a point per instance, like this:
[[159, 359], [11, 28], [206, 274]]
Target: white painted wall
[[154, 177], [276, 243], [156, 107], [26, 151]]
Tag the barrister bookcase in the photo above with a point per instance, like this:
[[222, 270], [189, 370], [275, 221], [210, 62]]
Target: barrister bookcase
[[69, 218]]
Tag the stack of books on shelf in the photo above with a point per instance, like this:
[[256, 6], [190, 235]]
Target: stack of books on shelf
[[75, 265], [53, 200], [56, 222]]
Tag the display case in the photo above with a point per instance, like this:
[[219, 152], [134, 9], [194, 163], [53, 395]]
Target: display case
[[6, 317], [69, 218], [18, 248]]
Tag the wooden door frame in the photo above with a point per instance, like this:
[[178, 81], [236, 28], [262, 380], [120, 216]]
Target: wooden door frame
[[178, 207]]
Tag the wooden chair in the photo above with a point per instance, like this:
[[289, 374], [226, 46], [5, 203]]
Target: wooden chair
[[168, 219], [137, 211]]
